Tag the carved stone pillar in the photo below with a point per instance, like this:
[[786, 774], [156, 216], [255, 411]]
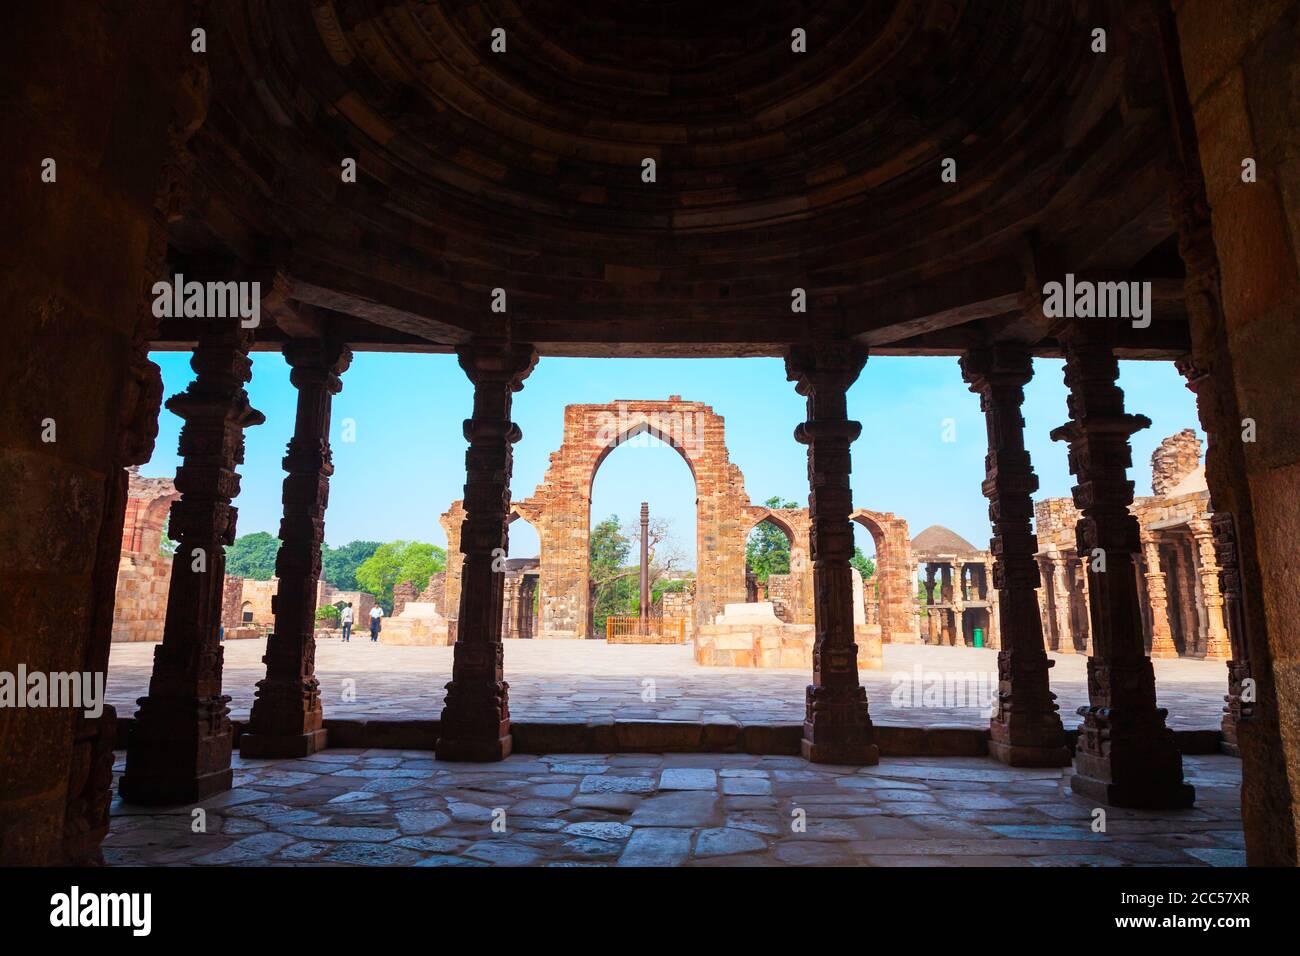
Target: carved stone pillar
[[1087, 606], [1207, 567], [837, 727], [1126, 754], [179, 750], [958, 604], [1162, 638], [476, 715], [945, 598], [1061, 605], [286, 719], [1026, 731], [933, 635], [1240, 702], [1268, 806], [994, 598], [1046, 621], [932, 631]]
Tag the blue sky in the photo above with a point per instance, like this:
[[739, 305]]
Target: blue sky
[[407, 461]]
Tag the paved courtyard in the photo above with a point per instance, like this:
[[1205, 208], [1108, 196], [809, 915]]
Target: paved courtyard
[[579, 680], [403, 808]]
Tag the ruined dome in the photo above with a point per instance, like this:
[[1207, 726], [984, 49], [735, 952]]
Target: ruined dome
[[937, 539]]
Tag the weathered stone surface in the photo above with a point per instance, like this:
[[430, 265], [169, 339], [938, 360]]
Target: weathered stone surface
[[971, 809], [657, 846], [725, 841], [688, 778], [676, 809]]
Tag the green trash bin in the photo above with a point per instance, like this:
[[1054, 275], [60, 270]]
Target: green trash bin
[[979, 637]]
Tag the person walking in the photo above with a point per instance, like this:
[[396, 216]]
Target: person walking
[[345, 618], [376, 613]]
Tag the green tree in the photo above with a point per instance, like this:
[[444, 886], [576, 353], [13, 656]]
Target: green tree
[[328, 615], [253, 556], [866, 566], [667, 587], [767, 551], [608, 550], [397, 562], [339, 565]]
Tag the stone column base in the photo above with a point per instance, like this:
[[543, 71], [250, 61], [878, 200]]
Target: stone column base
[[469, 750], [283, 745], [837, 728], [164, 789], [852, 753], [174, 754], [1137, 796]]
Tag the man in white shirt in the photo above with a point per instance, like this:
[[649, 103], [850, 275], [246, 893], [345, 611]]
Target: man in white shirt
[[376, 613], [345, 618]]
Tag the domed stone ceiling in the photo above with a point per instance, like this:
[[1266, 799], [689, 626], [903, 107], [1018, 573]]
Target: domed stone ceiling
[[774, 169]]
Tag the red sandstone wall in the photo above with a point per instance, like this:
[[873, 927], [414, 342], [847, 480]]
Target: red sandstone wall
[[83, 84], [144, 573], [1242, 70]]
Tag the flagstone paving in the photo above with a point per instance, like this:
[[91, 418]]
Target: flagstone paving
[[582, 680], [403, 808]]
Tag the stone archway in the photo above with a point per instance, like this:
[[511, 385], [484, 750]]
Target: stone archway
[[560, 507], [563, 503], [795, 525], [898, 621], [560, 511]]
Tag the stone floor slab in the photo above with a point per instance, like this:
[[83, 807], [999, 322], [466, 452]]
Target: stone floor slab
[[967, 811]]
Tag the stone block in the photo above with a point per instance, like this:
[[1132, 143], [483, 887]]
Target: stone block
[[734, 641], [551, 736], [657, 736], [772, 739]]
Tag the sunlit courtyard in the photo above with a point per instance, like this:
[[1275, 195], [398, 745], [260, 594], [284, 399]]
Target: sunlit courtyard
[[583, 680]]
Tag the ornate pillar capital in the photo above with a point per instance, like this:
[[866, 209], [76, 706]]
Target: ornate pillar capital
[[497, 362], [830, 366], [317, 361]]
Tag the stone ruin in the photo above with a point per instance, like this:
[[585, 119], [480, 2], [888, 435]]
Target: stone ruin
[[751, 635], [560, 510], [1178, 574], [144, 576], [960, 603]]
